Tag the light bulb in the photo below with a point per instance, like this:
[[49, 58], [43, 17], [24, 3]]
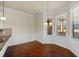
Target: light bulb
[[50, 23], [3, 18], [45, 23]]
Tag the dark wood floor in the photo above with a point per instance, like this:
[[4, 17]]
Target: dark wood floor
[[37, 49]]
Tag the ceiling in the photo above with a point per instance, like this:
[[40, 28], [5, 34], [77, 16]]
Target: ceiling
[[34, 6]]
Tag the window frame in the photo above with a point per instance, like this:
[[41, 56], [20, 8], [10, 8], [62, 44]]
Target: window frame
[[57, 23]]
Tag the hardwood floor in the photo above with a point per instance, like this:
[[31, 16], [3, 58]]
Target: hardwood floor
[[37, 49]]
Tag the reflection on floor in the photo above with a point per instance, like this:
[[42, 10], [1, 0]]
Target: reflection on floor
[[37, 49]]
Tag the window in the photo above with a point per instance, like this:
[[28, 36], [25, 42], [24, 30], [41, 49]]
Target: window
[[75, 22], [61, 25]]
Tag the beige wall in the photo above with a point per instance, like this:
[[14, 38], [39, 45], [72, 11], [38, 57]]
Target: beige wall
[[39, 26], [26, 27], [64, 41], [23, 27], [22, 24]]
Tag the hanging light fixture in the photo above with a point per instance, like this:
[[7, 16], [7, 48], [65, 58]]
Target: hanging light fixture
[[48, 22], [3, 17]]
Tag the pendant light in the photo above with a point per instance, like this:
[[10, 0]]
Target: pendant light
[[3, 17], [48, 22]]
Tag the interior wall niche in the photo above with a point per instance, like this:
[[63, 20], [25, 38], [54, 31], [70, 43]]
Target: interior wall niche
[[49, 26]]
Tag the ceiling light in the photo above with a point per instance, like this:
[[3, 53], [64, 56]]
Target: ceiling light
[[3, 18]]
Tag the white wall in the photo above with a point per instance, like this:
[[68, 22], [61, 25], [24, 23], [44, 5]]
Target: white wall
[[22, 24], [66, 42], [26, 28], [39, 26], [23, 27]]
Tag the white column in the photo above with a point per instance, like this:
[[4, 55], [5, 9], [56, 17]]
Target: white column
[[70, 24], [67, 24], [53, 24], [44, 26]]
